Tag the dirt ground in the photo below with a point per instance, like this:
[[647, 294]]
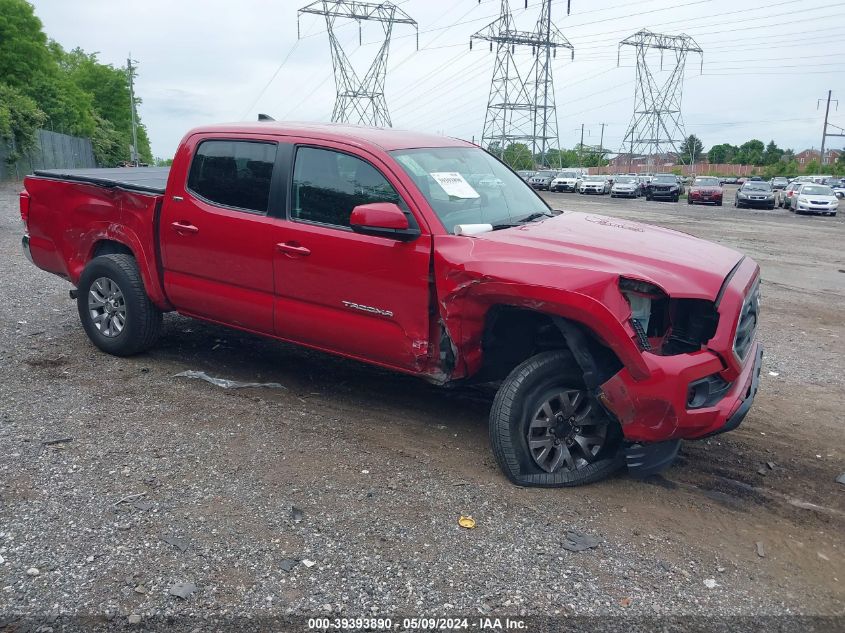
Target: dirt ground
[[381, 466]]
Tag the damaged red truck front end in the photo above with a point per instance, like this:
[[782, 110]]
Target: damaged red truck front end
[[609, 341]]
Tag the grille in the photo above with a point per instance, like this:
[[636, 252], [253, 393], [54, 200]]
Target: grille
[[820, 202], [747, 326]]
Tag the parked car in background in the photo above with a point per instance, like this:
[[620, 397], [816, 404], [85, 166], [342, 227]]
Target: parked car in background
[[566, 181], [663, 187], [813, 198], [779, 182], [626, 187], [594, 184], [705, 190], [741, 181], [525, 174], [542, 180], [784, 197], [729, 181], [755, 194]]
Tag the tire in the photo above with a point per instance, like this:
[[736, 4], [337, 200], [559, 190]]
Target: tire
[[676, 198], [771, 208], [719, 204], [117, 276], [689, 201], [519, 402]]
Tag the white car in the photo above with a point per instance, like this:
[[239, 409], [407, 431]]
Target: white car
[[566, 181], [626, 187], [594, 184], [812, 198]]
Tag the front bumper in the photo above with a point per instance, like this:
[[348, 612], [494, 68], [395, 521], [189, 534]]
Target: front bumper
[[667, 195], [705, 198], [26, 249], [817, 208], [756, 203], [592, 189], [655, 409], [625, 193]]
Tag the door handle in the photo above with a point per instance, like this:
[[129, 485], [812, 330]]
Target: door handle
[[184, 227], [292, 248]]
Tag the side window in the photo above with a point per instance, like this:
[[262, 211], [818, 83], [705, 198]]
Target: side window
[[327, 185], [233, 173]]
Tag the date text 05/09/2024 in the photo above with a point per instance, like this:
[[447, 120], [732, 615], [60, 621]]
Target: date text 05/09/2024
[[421, 623]]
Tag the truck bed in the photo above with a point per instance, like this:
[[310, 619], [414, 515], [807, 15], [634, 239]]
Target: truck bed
[[141, 179]]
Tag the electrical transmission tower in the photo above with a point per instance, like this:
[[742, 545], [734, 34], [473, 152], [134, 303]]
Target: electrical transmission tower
[[657, 125], [521, 108], [359, 100]]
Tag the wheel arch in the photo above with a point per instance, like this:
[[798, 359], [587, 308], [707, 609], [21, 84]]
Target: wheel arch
[[514, 333]]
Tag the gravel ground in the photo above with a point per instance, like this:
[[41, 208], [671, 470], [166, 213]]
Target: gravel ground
[[339, 493]]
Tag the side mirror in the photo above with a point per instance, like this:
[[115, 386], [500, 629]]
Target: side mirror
[[383, 219]]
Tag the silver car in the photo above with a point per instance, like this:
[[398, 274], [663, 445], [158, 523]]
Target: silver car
[[594, 184], [626, 187]]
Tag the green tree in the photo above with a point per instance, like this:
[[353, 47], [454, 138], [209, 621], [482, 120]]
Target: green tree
[[788, 156], [692, 149], [750, 153], [772, 154], [723, 153], [75, 91], [812, 167], [20, 119], [518, 156]]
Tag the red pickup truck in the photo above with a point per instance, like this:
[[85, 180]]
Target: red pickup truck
[[610, 340]]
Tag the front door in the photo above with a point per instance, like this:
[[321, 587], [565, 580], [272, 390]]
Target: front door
[[361, 295], [217, 237]]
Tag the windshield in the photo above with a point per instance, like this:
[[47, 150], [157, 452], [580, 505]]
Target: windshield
[[545, 174], [443, 174], [594, 178], [706, 182], [816, 190], [756, 186], [567, 174], [665, 179], [626, 179]]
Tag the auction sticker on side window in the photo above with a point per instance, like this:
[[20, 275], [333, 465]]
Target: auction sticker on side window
[[454, 184]]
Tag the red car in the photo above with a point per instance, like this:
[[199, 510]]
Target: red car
[[705, 190], [611, 340]]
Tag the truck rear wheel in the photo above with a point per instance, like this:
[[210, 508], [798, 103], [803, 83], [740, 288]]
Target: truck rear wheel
[[114, 308], [546, 429]]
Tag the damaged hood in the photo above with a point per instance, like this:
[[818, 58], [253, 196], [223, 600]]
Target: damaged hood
[[683, 265]]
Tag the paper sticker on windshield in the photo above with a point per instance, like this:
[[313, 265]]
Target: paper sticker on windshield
[[454, 184]]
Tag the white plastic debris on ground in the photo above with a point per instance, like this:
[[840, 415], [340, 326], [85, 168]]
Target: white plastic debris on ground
[[225, 383]]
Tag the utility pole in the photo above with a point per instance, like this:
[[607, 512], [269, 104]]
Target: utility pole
[[825, 133], [581, 147], [601, 143], [131, 70], [359, 100]]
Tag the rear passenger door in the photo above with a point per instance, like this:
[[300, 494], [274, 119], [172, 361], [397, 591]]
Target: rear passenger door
[[361, 295], [217, 232]]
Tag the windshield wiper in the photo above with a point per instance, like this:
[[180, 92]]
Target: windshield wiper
[[528, 218]]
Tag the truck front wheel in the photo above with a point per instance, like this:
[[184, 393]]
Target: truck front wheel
[[114, 308], [548, 431]]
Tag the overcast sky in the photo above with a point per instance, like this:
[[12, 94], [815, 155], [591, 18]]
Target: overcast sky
[[209, 61]]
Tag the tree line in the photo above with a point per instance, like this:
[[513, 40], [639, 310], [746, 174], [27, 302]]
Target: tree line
[[774, 160], [44, 86]]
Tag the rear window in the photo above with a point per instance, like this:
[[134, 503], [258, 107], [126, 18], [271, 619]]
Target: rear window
[[233, 173]]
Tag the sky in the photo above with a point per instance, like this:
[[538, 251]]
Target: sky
[[765, 68]]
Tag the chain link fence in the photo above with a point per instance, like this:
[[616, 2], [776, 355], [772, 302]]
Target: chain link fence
[[53, 151]]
